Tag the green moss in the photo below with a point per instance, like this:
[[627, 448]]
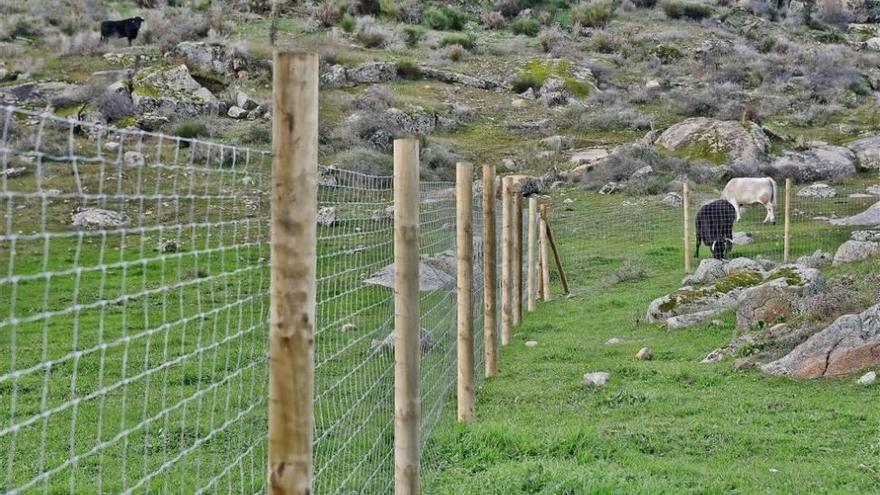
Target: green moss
[[535, 72], [722, 286], [791, 276], [126, 122], [737, 281], [146, 89], [70, 111], [702, 151]]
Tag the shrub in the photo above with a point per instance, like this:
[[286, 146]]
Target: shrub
[[168, 27], [369, 34], [412, 35], [644, 4], [329, 13], [403, 10], [82, 43], [467, 41], [445, 18], [348, 23], [675, 9], [407, 69], [835, 13], [610, 118], [365, 161], [191, 129], [114, 106], [367, 7], [525, 80], [604, 43], [256, 132], [595, 14], [527, 27], [455, 52], [374, 98], [492, 19], [620, 166], [438, 162]]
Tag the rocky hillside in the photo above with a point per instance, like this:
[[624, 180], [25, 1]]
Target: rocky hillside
[[695, 89]]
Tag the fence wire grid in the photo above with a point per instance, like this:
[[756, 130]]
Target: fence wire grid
[[134, 301]]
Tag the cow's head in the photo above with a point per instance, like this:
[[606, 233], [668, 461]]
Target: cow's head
[[721, 249], [137, 21]]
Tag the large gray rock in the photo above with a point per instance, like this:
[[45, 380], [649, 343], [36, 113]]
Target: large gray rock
[[99, 219], [871, 216], [779, 297], [818, 163], [817, 190], [853, 250], [371, 73], [850, 344], [709, 271], [171, 92], [867, 152], [427, 342], [35, 93], [689, 320], [742, 265], [746, 146], [450, 77], [816, 260], [218, 58]]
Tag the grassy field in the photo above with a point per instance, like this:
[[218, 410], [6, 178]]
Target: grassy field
[[670, 425]]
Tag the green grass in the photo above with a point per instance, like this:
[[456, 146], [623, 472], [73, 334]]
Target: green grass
[[670, 425]]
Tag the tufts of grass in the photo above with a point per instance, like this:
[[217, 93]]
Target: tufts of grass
[[445, 18], [467, 41], [536, 72], [594, 14], [676, 9], [526, 27]]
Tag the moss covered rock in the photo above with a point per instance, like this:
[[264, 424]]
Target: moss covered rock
[[171, 91]]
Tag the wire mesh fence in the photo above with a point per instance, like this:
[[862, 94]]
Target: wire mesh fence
[[133, 317], [134, 300], [606, 239]]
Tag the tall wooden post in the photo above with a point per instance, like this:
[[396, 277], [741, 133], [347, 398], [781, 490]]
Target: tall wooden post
[[686, 208], [517, 256], [532, 272], [490, 273], [464, 177], [407, 405], [545, 256], [293, 267], [506, 259], [786, 249]]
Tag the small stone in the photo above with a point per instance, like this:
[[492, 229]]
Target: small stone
[[111, 146], [237, 112], [531, 343], [652, 85], [868, 378], [713, 357], [348, 327], [168, 247], [716, 323], [613, 341], [568, 201], [13, 172], [597, 379], [742, 239], [743, 363], [134, 159], [644, 354], [328, 216]]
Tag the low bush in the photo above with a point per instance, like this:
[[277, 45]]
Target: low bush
[[407, 69], [365, 161], [455, 52], [445, 18], [467, 41], [114, 106], [370, 34], [527, 27], [376, 97], [169, 26], [614, 117], [412, 35], [621, 165], [644, 4], [493, 19], [348, 23], [329, 13], [256, 132], [191, 129], [594, 14], [676, 9]]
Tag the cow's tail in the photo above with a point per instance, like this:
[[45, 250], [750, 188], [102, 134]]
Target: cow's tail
[[773, 184]]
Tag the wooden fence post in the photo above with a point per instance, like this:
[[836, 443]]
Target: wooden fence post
[[686, 208], [506, 259], [464, 177], [517, 256], [490, 273], [786, 249], [293, 267], [545, 257], [407, 406], [532, 272]]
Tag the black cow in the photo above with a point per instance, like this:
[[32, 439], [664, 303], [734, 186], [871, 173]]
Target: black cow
[[715, 228], [126, 28]]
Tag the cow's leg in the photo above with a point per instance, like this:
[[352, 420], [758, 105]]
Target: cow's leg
[[736, 207], [697, 251], [771, 215]]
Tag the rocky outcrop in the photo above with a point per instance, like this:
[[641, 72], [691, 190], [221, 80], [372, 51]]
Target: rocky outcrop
[[739, 288], [818, 163], [862, 245], [778, 298], [171, 92], [98, 219], [871, 216], [338, 76], [850, 344], [867, 152], [745, 147], [817, 190], [219, 58], [427, 342], [450, 77], [436, 273], [35, 93]]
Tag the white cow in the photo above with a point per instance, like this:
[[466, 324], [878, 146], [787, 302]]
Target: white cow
[[749, 190]]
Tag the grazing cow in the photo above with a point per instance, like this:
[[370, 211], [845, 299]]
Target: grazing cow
[[749, 190], [715, 228], [126, 28]]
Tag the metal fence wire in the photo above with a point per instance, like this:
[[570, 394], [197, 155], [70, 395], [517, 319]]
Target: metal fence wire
[[134, 305]]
